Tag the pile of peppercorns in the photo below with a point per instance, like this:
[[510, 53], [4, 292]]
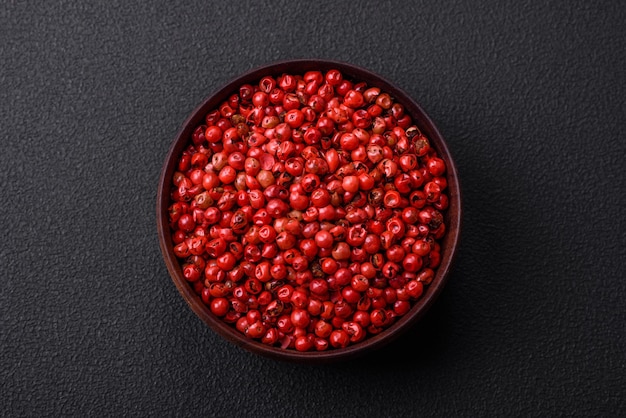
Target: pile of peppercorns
[[307, 211]]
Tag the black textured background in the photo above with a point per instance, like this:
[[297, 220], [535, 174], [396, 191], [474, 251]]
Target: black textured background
[[531, 99]]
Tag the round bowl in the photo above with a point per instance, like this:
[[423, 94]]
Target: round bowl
[[452, 215]]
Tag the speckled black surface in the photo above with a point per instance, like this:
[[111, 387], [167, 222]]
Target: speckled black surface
[[530, 98]]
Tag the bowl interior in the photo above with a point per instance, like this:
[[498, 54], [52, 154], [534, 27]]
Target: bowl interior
[[452, 215]]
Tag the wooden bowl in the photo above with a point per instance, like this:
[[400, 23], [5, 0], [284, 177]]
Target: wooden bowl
[[452, 214]]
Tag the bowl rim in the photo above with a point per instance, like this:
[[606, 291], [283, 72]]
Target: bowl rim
[[453, 218]]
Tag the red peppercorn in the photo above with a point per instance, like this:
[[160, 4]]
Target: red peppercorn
[[219, 306], [304, 343], [300, 318], [339, 338], [341, 251], [412, 263], [354, 330]]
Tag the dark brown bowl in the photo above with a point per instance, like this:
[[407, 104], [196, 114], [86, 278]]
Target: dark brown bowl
[[452, 215]]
